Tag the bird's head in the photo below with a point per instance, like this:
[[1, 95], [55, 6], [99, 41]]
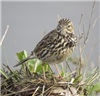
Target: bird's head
[[65, 27]]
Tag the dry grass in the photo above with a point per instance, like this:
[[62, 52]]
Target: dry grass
[[25, 82]]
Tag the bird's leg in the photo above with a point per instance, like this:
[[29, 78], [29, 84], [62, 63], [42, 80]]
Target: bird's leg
[[59, 73], [44, 72], [57, 70]]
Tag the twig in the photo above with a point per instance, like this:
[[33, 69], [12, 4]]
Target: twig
[[87, 82], [19, 92], [94, 45], [90, 23], [5, 54], [88, 35], [81, 49], [83, 32], [35, 91], [36, 65], [80, 24], [68, 66], [58, 18], [71, 73], [8, 68], [94, 23], [4, 35], [43, 90], [80, 59]]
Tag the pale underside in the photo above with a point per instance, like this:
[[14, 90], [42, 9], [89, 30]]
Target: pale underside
[[55, 48]]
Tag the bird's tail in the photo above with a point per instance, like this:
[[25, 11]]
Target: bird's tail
[[24, 60]]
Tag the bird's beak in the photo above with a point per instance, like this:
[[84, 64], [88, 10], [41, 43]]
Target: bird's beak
[[63, 28]]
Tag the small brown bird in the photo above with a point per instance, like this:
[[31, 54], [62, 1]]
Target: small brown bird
[[56, 46]]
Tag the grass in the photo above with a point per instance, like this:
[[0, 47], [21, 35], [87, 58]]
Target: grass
[[28, 81]]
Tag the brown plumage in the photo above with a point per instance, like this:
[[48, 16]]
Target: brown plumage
[[57, 45]]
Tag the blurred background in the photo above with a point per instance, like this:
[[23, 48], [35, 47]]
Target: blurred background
[[28, 21]]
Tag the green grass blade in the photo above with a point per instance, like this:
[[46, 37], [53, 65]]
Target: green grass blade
[[3, 73]]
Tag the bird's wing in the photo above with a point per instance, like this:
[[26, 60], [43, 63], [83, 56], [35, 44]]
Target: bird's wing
[[46, 41]]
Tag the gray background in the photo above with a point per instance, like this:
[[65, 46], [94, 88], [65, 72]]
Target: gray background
[[29, 20]]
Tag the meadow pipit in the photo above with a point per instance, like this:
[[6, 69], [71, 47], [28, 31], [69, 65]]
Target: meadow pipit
[[56, 46]]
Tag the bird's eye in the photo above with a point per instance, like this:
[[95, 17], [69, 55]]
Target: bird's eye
[[68, 26]]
